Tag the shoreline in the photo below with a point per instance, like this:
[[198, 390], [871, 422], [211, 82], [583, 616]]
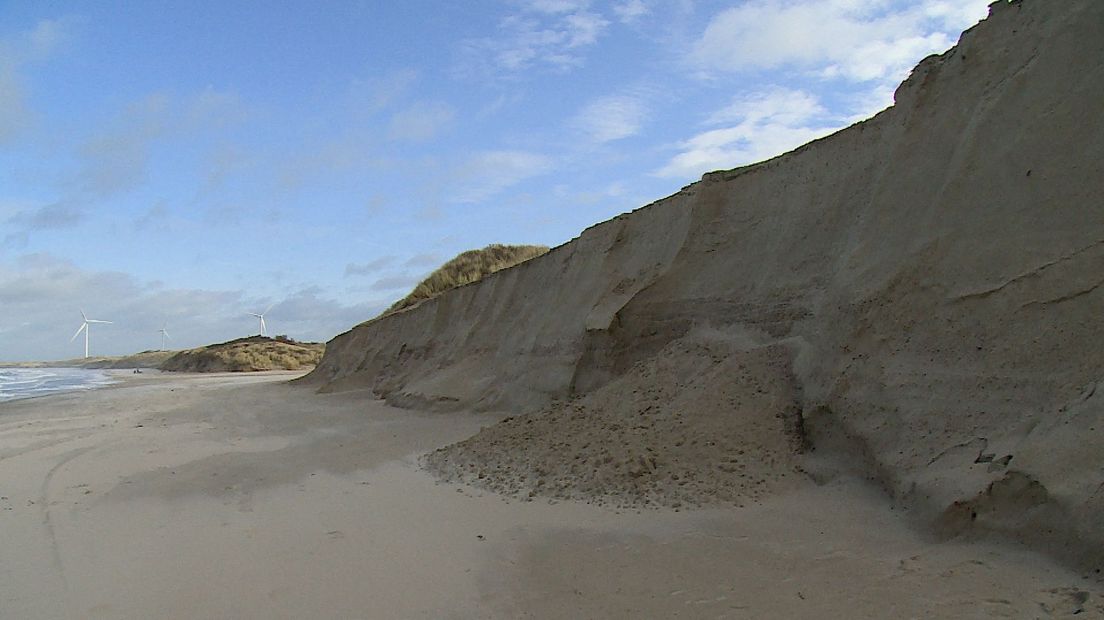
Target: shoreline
[[122, 377], [245, 496]]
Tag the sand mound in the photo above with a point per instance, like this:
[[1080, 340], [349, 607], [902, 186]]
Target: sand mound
[[250, 354], [701, 423]]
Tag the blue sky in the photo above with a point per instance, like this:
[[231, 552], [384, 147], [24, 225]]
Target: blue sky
[[187, 163]]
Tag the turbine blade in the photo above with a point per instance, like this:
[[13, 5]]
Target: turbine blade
[[79, 330], [83, 315], [269, 307]]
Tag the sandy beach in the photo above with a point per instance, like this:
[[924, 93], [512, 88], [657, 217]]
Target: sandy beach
[[243, 496]]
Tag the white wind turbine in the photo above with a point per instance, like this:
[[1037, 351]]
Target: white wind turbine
[[260, 318], [164, 335], [84, 327]]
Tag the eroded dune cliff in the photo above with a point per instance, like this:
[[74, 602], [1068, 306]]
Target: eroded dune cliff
[[932, 281]]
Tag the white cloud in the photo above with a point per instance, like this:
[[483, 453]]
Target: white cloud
[[420, 121], [549, 33], [853, 40], [779, 105], [556, 6], [611, 118], [16, 52], [631, 10], [487, 173], [759, 126]]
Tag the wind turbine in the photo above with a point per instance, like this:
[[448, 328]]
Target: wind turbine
[[164, 335], [260, 318], [84, 327]]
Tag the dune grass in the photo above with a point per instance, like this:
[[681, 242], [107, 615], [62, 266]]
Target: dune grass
[[468, 267], [247, 354]]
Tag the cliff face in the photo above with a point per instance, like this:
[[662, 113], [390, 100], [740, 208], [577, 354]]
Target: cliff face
[[936, 273]]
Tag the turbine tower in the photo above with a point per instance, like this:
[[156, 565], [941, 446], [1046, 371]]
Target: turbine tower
[[164, 336], [84, 328], [260, 319]]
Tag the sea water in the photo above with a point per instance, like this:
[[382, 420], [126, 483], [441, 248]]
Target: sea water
[[27, 382]]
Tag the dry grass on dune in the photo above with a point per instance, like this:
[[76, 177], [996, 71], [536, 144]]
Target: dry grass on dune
[[468, 267]]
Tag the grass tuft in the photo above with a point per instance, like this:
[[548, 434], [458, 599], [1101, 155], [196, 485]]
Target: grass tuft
[[468, 267]]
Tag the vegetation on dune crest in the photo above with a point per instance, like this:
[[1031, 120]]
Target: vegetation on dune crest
[[248, 354], [468, 267], [145, 359]]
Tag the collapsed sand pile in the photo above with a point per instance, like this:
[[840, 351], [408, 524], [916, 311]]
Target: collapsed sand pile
[[937, 272], [704, 422]]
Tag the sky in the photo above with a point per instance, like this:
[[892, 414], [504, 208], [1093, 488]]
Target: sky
[[182, 164]]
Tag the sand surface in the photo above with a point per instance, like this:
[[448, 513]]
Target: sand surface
[[244, 497]]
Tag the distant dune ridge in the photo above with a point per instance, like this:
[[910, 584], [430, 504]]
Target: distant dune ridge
[[145, 359], [247, 354], [918, 298]]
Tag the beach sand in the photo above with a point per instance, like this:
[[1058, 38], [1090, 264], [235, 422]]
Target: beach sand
[[241, 496]]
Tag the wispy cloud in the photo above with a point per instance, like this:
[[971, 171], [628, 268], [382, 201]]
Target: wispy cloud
[[116, 158], [31, 219], [631, 10], [423, 260], [369, 268], [420, 121], [544, 33], [487, 173], [611, 118], [154, 218], [16, 53], [367, 96], [15, 115], [756, 127], [394, 283]]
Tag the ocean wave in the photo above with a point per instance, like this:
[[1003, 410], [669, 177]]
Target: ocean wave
[[18, 383]]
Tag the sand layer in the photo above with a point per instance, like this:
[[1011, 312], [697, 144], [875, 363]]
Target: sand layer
[[243, 497]]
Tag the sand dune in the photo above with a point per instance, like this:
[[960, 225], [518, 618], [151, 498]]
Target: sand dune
[[933, 275]]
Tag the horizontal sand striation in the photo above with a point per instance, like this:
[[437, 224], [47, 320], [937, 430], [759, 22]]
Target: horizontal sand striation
[[239, 496], [935, 271]]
